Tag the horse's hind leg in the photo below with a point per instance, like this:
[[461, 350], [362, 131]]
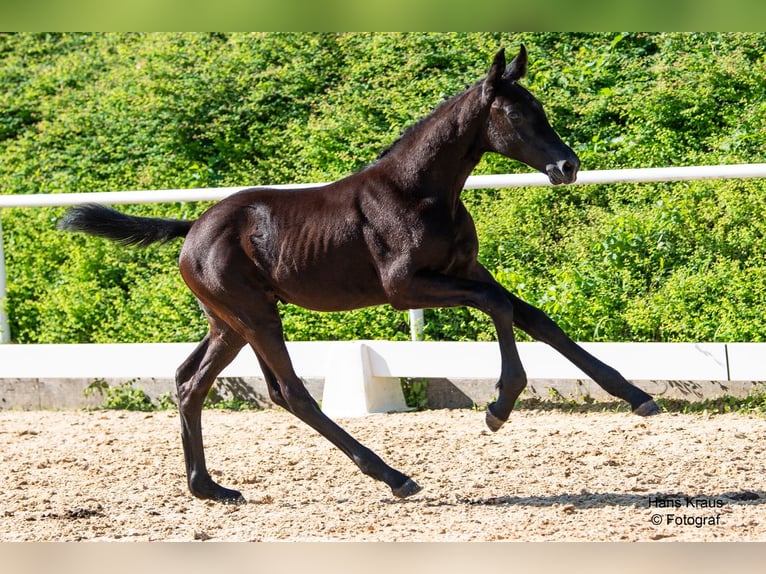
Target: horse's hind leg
[[257, 320], [193, 380], [272, 384]]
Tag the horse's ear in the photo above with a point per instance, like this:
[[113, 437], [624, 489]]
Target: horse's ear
[[494, 76], [517, 69]]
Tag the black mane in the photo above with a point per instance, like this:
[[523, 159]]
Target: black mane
[[422, 121]]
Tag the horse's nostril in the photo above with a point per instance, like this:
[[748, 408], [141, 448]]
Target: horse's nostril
[[569, 169]]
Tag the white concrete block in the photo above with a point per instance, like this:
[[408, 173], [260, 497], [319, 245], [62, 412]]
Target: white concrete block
[[747, 361], [351, 390]]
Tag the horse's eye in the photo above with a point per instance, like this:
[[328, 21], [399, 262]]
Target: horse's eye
[[512, 113]]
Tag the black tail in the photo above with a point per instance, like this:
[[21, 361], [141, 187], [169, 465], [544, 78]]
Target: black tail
[[126, 229]]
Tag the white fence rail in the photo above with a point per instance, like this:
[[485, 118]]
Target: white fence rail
[[363, 377], [688, 173]]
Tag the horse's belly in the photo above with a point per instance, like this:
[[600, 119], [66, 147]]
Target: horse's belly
[[331, 296], [336, 283]]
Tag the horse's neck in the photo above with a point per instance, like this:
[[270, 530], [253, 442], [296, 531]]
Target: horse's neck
[[437, 154]]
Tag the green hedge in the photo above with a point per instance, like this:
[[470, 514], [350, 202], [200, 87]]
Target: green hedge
[[653, 262]]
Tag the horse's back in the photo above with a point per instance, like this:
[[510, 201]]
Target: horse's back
[[306, 246]]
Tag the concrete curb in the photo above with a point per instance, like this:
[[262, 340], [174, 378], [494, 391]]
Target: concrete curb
[[68, 394]]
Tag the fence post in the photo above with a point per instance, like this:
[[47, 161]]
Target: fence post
[[417, 324], [5, 328]]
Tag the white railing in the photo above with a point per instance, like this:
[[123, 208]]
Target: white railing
[[688, 173], [363, 377]]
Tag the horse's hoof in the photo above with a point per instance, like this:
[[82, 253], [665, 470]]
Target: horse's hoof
[[228, 496], [232, 497], [216, 492], [492, 421], [647, 409], [409, 488]]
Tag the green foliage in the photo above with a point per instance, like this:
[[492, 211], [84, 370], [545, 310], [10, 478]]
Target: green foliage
[[752, 404], [125, 396], [213, 401], [382, 322], [415, 393], [653, 262]]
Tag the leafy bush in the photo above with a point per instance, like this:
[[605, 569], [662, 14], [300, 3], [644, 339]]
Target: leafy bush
[[124, 396], [754, 403], [100, 112]]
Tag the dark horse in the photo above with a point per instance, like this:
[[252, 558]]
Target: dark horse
[[395, 232]]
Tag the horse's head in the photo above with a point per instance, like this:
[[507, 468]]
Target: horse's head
[[518, 127]]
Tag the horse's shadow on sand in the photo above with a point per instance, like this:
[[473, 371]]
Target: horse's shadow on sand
[[588, 500]]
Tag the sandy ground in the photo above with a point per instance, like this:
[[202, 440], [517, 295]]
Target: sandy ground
[[112, 475]]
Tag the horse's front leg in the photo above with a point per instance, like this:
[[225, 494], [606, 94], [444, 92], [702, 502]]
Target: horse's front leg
[[436, 290], [538, 325], [535, 322], [513, 379]]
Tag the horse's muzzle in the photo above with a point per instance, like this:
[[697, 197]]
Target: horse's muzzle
[[563, 171]]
